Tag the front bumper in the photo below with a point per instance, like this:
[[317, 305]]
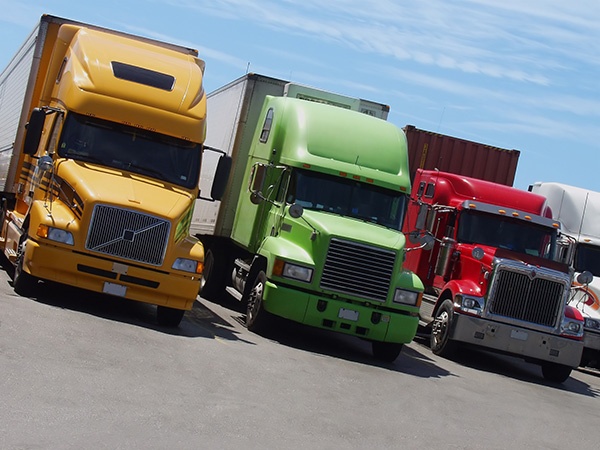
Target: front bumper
[[338, 315], [518, 341], [134, 282]]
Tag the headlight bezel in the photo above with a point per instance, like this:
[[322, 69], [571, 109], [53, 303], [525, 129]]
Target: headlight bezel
[[297, 272], [407, 297], [188, 265], [55, 234]]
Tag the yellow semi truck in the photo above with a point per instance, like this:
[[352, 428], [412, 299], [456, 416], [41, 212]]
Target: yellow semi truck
[[101, 143]]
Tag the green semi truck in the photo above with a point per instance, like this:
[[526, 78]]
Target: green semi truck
[[309, 228]]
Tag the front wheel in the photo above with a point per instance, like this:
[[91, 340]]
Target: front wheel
[[257, 318], [440, 343], [386, 351], [555, 372], [24, 283], [169, 317], [213, 278]]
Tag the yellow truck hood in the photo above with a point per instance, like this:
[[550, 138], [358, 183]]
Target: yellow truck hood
[[93, 184]]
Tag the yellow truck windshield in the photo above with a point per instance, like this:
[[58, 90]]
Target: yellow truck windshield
[[131, 149]]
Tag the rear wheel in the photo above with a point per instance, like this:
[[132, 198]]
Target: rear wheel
[[169, 317], [556, 372], [386, 351], [440, 343], [257, 318], [24, 283]]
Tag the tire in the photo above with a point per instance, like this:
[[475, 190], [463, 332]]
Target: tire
[[257, 319], [440, 341], [169, 317], [24, 283], [554, 372], [386, 351], [213, 278]]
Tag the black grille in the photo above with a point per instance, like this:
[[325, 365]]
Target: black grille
[[358, 269], [525, 297], [128, 234]]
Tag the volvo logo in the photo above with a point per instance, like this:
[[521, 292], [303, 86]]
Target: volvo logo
[[128, 235]]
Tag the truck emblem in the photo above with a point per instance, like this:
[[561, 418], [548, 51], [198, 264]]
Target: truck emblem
[[128, 235], [532, 274]]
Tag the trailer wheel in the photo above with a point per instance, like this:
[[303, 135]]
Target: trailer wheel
[[257, 318], [440, 343], [212, 282], [169, 317], [386, 351], [24, 283], [555, 372]]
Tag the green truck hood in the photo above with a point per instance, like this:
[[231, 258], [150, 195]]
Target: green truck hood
[[333, 225]]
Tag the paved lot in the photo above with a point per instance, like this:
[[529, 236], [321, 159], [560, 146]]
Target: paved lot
[[80, 370]]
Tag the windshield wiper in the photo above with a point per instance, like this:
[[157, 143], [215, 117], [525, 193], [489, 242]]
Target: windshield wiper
[[85, 158], [145, 170]]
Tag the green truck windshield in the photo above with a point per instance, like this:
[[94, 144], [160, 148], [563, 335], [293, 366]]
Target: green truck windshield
[[128, 148], [347, 197]]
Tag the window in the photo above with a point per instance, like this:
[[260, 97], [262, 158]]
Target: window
[[266, 129]]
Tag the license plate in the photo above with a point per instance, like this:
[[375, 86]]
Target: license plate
[[519, 335], [114, 289], [348, 314]]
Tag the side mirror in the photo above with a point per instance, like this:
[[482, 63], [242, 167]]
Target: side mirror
[[257, 178], [45, 163], [585, 277], [221, 177], [296, 211], [427, 242], [35, 127], [422, 217]]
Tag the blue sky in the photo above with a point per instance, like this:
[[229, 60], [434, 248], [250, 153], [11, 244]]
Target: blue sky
[[513, 74]]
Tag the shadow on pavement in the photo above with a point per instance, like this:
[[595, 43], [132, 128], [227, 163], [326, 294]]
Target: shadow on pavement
[[198, 322]]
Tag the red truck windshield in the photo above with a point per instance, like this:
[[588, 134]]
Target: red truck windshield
[[128, 148], [506, 232]]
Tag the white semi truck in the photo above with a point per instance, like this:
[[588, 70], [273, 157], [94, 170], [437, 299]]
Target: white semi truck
[[578, 210]]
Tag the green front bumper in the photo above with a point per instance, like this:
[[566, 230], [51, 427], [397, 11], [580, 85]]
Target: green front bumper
[[339, 315]]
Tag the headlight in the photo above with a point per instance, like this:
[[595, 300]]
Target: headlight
[[592, 323], [188, 265], [55, 234], [406, 297], [572, 322], [470, 305], [295, 272]]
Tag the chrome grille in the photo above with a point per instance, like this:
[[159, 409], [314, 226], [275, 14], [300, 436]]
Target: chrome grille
[[128, 234], [358, 269], [526, 296]]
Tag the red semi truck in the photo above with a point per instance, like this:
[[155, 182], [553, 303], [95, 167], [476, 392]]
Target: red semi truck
[[491, 277]]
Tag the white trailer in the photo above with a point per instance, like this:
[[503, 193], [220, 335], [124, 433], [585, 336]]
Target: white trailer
[[578, 210]]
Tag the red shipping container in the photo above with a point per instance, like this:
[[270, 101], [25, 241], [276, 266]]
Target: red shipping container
[[430, 151]]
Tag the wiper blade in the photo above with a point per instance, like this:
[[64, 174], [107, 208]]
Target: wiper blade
[[145, 170]]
